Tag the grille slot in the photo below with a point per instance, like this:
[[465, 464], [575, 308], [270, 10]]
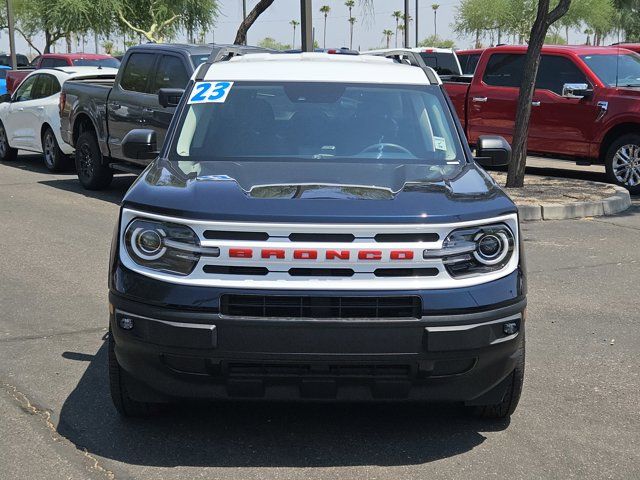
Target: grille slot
[[322, 237], [231, 270], [406, 272], [321, 272], [231, 235], [289, 306], [406, 237]]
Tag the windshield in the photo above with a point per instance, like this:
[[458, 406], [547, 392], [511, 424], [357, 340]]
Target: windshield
[[615, 70], [442, 63], [98, 62], [319, 122]]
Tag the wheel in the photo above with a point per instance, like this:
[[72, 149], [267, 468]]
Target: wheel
[[118, 381], [7, 153], [93, 175], [54, 159], [507, 406], [622, 162]]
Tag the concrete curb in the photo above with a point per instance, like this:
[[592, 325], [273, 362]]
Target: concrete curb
[[618, 202]]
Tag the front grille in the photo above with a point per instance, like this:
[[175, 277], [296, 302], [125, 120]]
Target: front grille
[[263, 370], [290, 306]]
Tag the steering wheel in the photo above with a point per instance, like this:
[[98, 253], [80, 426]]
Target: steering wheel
[[382, 146]]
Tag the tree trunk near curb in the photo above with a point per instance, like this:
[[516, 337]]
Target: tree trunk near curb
[[241, 35], [544, 19]]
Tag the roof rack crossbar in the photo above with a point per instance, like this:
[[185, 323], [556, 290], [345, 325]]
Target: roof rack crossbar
[[414, 60]]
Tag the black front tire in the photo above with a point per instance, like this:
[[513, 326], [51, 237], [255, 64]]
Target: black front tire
[[7, 153], [54, 159], [118, 381], [92, 172], [622, 162], [507, 406]]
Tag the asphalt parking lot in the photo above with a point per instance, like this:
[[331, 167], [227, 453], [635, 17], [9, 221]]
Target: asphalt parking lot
[[578, 417]]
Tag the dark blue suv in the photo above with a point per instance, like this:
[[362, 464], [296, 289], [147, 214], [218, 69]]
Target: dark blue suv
[[316, 228]]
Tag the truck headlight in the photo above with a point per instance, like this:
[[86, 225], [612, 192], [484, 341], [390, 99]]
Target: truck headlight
[[476, 250], [166, 247]]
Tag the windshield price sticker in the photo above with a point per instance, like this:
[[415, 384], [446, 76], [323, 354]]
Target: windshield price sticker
[[210, 92], [439, 143]]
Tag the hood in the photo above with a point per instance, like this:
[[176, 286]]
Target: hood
[[303, 192]]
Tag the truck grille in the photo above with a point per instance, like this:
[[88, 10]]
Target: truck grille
[[287, 306]]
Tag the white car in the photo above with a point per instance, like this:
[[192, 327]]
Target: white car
[[30, 118]]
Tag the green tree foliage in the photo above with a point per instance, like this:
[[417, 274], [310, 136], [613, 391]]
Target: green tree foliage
[[159, 20], [57, 19], [628, 19], [510, 21], [269, 42], [437, 42]]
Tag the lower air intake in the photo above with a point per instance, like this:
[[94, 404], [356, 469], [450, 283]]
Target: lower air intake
[[278, 306]]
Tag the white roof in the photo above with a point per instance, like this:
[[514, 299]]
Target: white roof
[[67, 73], [315, 67], [414, 49]]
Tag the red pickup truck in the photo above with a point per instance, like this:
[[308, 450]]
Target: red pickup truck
[[53, 60], [586, 106]]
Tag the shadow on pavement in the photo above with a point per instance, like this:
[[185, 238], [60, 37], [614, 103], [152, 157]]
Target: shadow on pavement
[[113, 194], [265, 434]]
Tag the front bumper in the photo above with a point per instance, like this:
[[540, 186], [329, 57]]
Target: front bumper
[[185, 353]]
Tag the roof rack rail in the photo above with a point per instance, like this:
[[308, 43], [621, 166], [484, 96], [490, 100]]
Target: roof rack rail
[[227, 52], [408, 57]]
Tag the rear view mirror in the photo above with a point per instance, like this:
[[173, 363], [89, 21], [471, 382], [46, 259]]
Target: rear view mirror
[[493, 151], [170, 97], [576, 90], [140, 144]]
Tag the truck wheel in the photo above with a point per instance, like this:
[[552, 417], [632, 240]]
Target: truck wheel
[[93, 175], [511, 397], [622, 162], [54, 159], [7, 153], [118, 381]]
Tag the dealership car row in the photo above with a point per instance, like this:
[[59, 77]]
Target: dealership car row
[[586, 106]]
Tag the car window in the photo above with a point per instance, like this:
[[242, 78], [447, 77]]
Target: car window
[[468, 62], [199, 59], [53, 63], [171, 74], [45, 86], [137, 72], [555, 71], [504, 70], [97, 62], [442, 63], [23, 93]]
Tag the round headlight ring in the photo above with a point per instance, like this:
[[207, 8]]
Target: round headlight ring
[[490, 239], [143, 239]]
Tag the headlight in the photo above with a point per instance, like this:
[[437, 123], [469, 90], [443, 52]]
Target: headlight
[[476, 250], [166, 247]]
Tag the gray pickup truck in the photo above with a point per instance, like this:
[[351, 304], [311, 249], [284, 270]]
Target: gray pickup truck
[[95, 117]]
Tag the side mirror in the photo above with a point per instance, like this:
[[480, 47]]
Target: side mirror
[[140, 144], [170, 97], [6, 97], [493, 151], [576, 90]]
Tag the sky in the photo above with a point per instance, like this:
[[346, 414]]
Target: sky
[[274, 22]]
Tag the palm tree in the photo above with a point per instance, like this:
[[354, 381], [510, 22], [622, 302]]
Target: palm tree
[[352, 20], [325, 9], [397, 15], [435, 7], [387, 33], [401, 30], [294, 24], [350, 4]]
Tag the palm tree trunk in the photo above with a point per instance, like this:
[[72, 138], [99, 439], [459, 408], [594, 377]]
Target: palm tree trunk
[[324, 36]]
